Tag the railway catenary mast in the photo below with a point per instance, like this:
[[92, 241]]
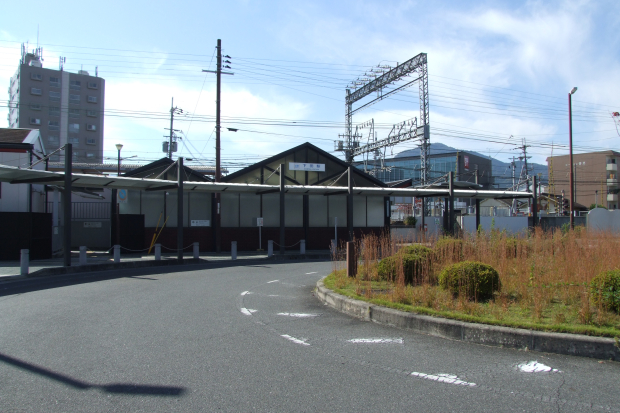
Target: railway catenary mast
[[408, 130]]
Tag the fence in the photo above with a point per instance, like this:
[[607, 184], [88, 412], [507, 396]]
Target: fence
[[86, 210]]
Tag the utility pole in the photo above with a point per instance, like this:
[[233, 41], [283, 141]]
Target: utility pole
[[173, 110], [218, 72]]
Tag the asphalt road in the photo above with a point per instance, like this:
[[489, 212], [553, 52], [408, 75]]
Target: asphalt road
[[254, 338]]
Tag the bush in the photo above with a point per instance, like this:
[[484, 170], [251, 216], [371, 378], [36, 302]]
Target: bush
[[416, 250], [474, 279], [449, 248], [415, 267], [411, 221], [605, 290]]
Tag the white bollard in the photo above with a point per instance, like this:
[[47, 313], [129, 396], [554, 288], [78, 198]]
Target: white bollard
[[233, 250], [157, 252], [269, 248], [302, 246], [117, 253], [82, 255], [24, 261], [196, 251]]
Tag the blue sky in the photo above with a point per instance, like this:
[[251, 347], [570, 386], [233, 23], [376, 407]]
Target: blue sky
[[499, 72]]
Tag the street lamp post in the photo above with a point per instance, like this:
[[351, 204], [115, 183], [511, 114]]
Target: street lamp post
[[570, 156], [118, 173]]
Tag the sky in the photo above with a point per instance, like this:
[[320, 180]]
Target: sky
[[499, 71]]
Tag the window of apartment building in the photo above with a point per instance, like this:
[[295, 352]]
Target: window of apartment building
[[92, 99], [73, 140], [54, 81], [91, 141], [53, 125], [35, 106], [54, 96], [54, 111], [91, 113], [74, 99], [35, 91], [35, 121], [92, 85], [91, 127], [75, 85], [74, 127], [74, 113], [36, 76], [53, 139]]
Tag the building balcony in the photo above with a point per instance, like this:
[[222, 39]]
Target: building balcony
[[612, 182], [612, 197], [612, 166]]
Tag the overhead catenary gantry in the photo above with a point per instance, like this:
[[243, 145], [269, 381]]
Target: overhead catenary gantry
[[416, 129]]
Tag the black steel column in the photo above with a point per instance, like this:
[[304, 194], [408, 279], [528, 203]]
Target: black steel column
[[350, 205], [282, 237], [535, 203], [451, 206], [66, 201], [477, 206], [180, 172]]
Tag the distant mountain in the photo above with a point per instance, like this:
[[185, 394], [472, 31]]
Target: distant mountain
[[501, 170]]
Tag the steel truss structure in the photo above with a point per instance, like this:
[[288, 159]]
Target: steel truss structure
[[418, 129]]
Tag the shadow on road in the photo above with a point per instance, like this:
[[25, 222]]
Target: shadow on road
[[119, 388]]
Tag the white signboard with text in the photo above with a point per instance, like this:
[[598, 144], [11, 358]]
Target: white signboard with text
[[315, 167], [259, 222], [200, 223]]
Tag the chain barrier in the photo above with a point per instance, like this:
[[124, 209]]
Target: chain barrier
[[287, 246], [176, 249]]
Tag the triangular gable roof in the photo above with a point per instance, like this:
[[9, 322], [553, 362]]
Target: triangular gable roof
[[328, 177], [155, 168]]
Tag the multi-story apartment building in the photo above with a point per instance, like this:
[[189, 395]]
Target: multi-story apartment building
[[65, 107], [595, 177]]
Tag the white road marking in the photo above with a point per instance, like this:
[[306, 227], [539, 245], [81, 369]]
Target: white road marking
[[274, 281], [443, 378], [295, 340], [313, 272], [245, 293], [299, 315], [535, 367], [247, 311], [377, 340]]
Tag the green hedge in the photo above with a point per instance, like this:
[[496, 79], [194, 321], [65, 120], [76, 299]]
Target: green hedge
[[415, 268], [605, 290], [474, 279], [416, 250]]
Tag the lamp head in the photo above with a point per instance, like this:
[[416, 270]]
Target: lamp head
[[119, 146], [573, 90]]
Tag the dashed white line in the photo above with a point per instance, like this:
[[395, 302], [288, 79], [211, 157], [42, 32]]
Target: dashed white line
[[313, 272], [443, 378], [274, 281], [247, 311], [299, 315], [377, 340], [535, 367], [295, 340], [245, 293]]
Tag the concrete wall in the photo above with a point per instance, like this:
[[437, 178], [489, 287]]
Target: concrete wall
[[600, 219]]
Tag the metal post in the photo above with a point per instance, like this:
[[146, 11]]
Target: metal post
[[24, 261], [350, 204], [302, 246], [196, 250], [282, 223], [66, 201], [83, 255], [570, 160], [233, 250], [117, 253], [269, 248], [535, 202], [218, 196], [180, 172], [351, 261], [451, 198], [171, 130], [336, 230], [157, 252]]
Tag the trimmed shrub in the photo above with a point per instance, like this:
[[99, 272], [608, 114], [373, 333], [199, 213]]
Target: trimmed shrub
[[415, 267], [605, 290], [449, 248], [410, 221], [416, 250], [474, 279]]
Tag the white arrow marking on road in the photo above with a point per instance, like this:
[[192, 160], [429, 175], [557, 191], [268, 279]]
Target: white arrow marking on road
[[377, 340], [274, 281], [295, 340], [299, 315], [535, 367], [245, 293], [247, 311], [443, 378]]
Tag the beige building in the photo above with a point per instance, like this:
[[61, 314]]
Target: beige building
[[595, 177]]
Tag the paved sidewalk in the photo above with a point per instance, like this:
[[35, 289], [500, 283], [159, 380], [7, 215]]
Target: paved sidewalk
[[11, 269]]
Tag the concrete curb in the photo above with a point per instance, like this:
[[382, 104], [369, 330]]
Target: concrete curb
[[559, 343]]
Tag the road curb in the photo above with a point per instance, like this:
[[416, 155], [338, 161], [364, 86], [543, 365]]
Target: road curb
[[559, 343]]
